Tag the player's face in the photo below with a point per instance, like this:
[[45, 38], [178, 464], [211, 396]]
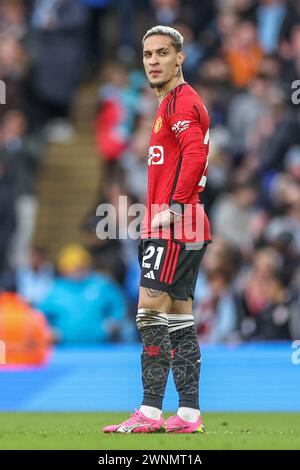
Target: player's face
[[161, 60]]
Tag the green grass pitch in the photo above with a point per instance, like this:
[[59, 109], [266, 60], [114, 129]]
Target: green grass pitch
[[84, 431]]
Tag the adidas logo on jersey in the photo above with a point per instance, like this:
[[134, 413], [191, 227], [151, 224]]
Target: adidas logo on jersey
[[180, 126], [150, 275]]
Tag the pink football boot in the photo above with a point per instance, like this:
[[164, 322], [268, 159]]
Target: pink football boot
[[178, 425], [137, 422]]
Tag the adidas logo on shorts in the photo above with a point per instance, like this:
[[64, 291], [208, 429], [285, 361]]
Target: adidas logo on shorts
[[150, 275]]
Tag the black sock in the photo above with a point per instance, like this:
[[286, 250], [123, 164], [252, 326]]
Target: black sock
[[186, 359], [156, 355]]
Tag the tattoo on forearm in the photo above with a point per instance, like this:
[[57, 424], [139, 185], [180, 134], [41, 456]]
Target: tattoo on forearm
[[153, 293]]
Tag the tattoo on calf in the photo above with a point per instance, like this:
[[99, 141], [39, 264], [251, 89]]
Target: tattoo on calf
[[153, 293]]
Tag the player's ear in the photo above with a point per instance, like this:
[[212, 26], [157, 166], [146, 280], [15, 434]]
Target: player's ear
[[180, 58]]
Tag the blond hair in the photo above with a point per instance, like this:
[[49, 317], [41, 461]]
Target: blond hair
[[176, 37]]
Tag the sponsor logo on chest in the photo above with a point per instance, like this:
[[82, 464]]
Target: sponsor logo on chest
[[156, 155]]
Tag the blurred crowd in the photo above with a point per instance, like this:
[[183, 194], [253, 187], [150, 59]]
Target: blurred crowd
[[243, 57]]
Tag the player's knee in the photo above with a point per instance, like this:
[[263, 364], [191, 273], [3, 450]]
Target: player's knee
[[147, 317], [182, 307]]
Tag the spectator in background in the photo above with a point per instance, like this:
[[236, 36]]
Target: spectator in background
[[25, 332], [220, 165], [216, 312], [221, 30], [120, 103], [7, 217], [13, 19], [82, 306], [292, 162], [232, 214], [21, 156], [58, 29], [106, 253], [118, 196], [279, 186], [275, 132], [289, 221], [131, 285], [216, 308], [284, 244], [165, 12], [97, 11], [200, 19], [34, 280], [170, 12], [211, 92], [243, 53], [290, 55], [270, 16], [111, 125], [133, 160], [193, 50], [245, 110], [13, 71], [271, 68], [252, 288], [244, 9], [291, 19], [280, 318], [215, 81]]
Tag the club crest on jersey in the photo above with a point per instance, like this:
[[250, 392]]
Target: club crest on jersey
[[158, 125], [156, 155], [180, 126]]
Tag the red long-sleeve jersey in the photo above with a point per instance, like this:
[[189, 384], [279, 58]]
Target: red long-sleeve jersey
[[177, 166]]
